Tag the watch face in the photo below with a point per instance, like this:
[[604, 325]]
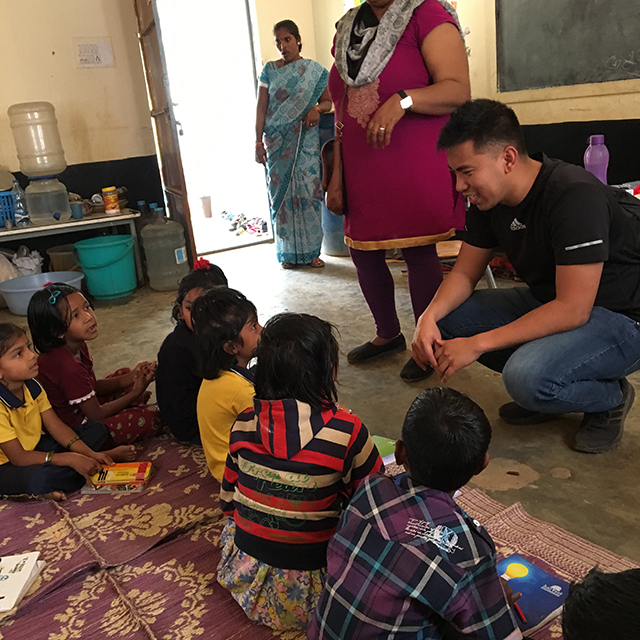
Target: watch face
[[407, 102]]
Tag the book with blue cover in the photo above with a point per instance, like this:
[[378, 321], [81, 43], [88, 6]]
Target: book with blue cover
[[543, 595]]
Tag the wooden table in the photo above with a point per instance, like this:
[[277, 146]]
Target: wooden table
[[126, 218]]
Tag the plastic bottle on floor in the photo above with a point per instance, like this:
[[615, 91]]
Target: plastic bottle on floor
[[165, 251]]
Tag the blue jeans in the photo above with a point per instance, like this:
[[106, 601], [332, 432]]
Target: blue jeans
[[573, 371]]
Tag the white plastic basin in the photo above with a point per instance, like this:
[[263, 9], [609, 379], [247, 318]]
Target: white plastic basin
[[18, 291]]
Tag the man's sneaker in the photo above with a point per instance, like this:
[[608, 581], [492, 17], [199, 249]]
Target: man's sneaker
[[412, 371], [601, 432], [513, 413]]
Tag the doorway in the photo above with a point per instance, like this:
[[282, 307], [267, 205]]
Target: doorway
[[210, 64]]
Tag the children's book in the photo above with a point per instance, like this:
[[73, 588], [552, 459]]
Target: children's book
[[123, 477], [543, 595], [17, 574], [386, 449]]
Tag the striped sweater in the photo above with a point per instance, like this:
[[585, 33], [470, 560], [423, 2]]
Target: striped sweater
[[289, 475]]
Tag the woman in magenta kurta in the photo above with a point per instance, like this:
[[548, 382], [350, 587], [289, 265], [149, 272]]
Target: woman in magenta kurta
[[404, 68]]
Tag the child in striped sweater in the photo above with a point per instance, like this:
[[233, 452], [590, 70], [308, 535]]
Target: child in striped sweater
[[295, 459]]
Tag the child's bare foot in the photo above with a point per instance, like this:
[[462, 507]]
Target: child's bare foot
[[58, 496], [124, 453]]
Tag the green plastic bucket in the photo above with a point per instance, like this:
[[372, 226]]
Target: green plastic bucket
[[108, 266]]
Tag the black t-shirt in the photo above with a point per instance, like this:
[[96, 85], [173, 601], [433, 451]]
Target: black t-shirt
[[568, 217], [178, 383]]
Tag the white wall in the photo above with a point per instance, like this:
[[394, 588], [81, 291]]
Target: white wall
[[582, 103], [325, 15], [268, 12], [103, 113]]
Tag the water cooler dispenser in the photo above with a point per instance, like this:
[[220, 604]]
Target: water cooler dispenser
[[35, 131]]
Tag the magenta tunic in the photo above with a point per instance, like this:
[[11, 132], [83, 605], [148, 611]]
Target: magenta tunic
[[402, 195]]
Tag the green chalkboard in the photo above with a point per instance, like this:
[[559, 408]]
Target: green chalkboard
[[553, 43]]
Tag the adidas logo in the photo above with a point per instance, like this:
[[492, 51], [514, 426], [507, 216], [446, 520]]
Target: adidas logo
[[516, 225]]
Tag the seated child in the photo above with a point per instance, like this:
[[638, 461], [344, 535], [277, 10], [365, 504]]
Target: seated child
[[227, 331], [295, 460], [61, 320], [33, 463], [177, 377], [407, 561], [603, 605]]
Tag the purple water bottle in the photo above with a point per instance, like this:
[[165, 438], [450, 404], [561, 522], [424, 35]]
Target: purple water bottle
[[596, 158]]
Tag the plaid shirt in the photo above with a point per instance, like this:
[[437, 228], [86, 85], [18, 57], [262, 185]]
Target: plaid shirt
[[408, 562]]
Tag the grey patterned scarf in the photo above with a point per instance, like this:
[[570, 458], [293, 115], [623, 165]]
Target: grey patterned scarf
[[388, 32]]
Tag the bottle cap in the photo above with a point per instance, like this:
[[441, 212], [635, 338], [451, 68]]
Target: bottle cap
[[597, 139], [108, 189]]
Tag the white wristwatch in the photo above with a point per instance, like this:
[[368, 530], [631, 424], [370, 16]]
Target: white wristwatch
[[406, 101]]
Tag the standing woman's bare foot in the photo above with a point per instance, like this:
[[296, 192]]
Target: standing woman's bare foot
[[58, 496], [123, 453]]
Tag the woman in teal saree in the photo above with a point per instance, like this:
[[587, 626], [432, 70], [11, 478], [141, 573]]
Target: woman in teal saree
[[292, 95]]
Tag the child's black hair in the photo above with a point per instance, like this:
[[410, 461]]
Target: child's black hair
[[204, 277], [218, 316], [446, 436], [603, 605], [9, 332], [48, 316], [298, 358]]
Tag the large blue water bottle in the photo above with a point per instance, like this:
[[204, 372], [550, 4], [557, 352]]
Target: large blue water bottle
[[596, 158]]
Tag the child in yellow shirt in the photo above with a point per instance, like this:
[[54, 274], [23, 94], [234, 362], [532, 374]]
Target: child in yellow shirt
[[227, 332], [34, 463]]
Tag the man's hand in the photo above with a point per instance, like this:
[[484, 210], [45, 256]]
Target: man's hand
[[424, 342], [456, 354]]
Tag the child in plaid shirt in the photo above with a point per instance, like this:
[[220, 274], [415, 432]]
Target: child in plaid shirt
[[406, 560]]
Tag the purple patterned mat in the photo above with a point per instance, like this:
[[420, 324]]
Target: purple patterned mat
[[142, 566]]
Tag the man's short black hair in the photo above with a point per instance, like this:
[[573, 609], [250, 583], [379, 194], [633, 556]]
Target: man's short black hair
[[484, 122], [603, 605], [446, 436]]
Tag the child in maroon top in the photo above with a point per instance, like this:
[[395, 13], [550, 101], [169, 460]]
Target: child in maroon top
[[61, 320]]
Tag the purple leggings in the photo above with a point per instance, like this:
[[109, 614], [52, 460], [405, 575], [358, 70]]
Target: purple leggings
[[376, 282]]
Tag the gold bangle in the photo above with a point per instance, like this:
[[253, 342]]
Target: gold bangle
[[72, 441], [47, 458], [259, 144], [315, 106]]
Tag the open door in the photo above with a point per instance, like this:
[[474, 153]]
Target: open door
[[164, 119]]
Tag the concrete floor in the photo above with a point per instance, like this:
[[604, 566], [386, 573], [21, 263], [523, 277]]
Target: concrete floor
[[596, 497]]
